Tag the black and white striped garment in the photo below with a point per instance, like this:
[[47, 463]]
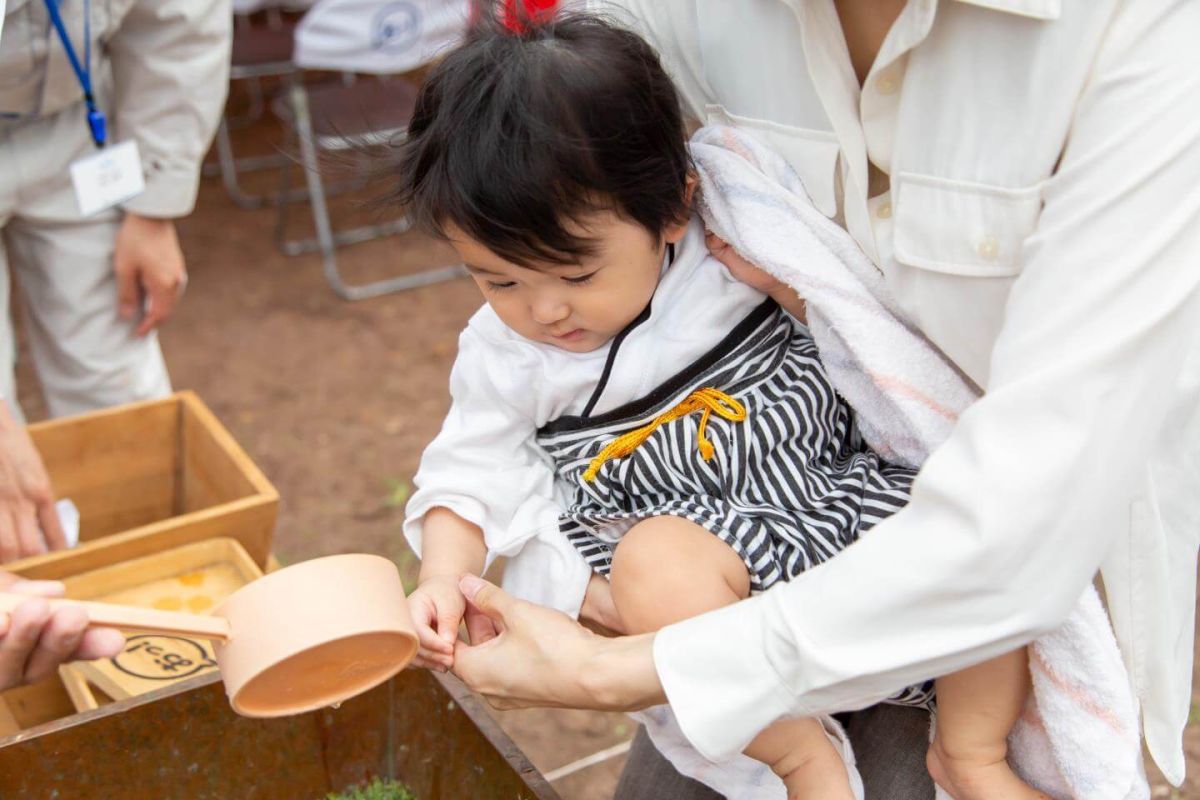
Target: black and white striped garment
[[787, 488]]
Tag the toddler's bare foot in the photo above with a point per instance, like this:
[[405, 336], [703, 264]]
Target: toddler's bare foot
[[815, 776], [977, 778]]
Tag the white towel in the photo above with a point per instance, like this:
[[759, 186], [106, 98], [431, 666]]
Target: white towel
[[1079, 737], [905, 395]]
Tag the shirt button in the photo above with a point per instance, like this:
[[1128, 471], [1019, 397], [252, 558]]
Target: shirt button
[[888, 82], [988, 248], [884, 211]]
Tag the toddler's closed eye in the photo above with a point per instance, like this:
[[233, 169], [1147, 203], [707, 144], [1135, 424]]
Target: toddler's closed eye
[[582, 279]]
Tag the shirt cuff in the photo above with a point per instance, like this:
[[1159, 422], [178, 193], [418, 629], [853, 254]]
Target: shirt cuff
[[170, 192], [720, 684], [414, 516]]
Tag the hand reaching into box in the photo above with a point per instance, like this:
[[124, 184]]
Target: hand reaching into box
[[29, 523]]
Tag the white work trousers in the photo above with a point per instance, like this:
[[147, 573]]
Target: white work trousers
[[86, 356]]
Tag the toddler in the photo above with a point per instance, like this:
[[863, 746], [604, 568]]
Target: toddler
[[623, 404]]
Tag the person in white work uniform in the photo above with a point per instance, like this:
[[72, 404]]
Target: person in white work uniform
[[106, 110], [95, 285], [1026, 176]]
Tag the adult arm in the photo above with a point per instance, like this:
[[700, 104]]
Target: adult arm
[[170, 65], [1011, 517], [537, 656]]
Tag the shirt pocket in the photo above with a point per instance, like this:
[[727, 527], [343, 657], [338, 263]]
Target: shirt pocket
[[962, 228], [812, 153]]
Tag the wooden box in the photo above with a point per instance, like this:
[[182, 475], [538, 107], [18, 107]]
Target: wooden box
[[147, 477], [425, 730]]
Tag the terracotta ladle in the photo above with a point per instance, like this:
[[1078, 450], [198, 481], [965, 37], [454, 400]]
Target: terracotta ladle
[[310, 635]]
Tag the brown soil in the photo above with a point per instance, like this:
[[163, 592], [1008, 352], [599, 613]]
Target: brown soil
[[335, 400]]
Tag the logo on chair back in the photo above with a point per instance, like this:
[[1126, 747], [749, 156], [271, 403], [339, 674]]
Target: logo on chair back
[[396, 27]]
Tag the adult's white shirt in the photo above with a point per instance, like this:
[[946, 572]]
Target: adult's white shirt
[[1040, 222]]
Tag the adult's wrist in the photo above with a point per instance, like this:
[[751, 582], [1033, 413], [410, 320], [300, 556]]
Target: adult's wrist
[[142, 219], [619, 674]]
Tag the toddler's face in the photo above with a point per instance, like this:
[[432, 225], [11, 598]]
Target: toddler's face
[[577, 307]]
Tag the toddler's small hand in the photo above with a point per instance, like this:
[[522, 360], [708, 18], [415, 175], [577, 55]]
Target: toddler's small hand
[[437, 607], [742, 269]]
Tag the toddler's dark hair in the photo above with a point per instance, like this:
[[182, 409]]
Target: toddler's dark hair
[[517, 133]]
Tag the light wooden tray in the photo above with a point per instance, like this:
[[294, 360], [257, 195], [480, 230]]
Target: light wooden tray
[[194, 578]]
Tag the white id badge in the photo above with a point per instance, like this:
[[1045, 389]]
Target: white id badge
[[107, 177]]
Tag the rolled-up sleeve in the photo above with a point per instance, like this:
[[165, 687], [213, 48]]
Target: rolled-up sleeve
[[170, 63], [1011, 518]]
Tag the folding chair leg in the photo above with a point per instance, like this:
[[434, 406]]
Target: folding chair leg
[[256, 103], [326, 241], [229, 171], [312, 175]]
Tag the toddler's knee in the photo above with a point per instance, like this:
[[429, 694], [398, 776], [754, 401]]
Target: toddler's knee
[[668, 569], [646, 574], [639, 556]]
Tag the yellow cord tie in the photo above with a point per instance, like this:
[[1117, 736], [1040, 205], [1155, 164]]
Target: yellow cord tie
[[707, 401]]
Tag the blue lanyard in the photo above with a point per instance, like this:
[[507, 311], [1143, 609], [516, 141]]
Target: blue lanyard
[[83, 72]]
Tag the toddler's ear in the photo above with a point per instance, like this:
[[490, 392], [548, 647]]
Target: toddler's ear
[[676, 230], [689, 189]]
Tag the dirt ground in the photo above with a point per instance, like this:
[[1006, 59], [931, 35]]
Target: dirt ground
[[335, 400]]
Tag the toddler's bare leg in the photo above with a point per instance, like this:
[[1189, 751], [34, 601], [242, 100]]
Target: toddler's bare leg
[[977, 708], [668, 569]]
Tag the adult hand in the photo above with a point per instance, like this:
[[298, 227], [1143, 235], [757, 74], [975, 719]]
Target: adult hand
[[754, 277], [150, 271], [28, 521], [542, 657], [742, 269], [34, 640]]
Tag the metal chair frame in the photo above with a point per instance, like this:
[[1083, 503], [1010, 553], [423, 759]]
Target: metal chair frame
[[230, 166], [327, 240]]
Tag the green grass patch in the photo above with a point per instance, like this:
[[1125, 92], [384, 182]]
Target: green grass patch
[[377, 789], [398, 492]]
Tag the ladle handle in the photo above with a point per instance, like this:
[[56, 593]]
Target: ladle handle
[[131, 618]]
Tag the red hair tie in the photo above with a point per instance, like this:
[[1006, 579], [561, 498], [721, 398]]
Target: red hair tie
[[519, 13]]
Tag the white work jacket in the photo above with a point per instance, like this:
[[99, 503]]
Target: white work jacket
[[160, 70], [1039, 220]]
